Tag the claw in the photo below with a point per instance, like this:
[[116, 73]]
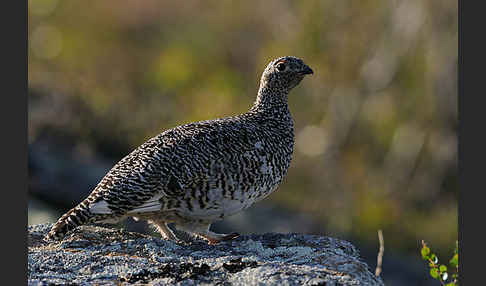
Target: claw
[[230, 236], [214, 241]]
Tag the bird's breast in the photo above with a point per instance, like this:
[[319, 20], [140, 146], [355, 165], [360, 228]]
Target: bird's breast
[[235, 182]]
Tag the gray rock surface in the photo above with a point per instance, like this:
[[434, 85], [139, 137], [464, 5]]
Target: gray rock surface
[[94, 255]]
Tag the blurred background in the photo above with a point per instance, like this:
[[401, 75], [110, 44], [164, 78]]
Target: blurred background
[[376, 125]]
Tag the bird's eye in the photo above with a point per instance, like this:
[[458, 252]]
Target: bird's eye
[[281, 67]]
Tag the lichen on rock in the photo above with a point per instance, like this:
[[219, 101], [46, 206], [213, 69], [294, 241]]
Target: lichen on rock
[[94, 255]]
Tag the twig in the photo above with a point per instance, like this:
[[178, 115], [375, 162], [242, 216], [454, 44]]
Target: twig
[[379, 259]]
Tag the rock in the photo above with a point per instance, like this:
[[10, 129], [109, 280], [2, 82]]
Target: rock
[[94, 255]]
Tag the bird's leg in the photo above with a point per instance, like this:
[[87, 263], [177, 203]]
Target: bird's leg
[[202, 230], [164, 230]]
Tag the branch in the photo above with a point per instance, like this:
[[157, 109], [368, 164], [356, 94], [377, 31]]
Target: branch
[[379, 259]]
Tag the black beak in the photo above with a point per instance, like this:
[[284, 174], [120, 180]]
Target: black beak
[[307, 70]]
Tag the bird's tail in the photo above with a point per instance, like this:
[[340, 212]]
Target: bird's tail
[[75, 217]]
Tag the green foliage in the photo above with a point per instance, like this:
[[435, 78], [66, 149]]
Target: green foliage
[[440, 271]]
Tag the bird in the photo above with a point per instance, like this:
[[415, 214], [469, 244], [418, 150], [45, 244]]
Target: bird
[[199, 173]]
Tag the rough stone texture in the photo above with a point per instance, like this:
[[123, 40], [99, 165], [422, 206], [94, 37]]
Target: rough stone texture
[[94, 255]]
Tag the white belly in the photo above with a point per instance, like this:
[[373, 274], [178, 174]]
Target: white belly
[[220, 206]]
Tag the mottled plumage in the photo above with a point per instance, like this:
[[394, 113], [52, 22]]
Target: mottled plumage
[[198, 173]]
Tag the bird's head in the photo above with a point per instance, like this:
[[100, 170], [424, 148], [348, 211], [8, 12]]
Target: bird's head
[[284, 73]]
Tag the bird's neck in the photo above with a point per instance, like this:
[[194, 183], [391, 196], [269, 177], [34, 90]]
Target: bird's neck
[[269, 98]]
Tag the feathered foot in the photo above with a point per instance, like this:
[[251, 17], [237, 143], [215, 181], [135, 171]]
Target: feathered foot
[[215, 238], [202, 230]]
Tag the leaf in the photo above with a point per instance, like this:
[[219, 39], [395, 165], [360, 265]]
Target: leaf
[[425, 252], [434, 258], [451, 284], [454, 260], [434, 272], [442, 268]]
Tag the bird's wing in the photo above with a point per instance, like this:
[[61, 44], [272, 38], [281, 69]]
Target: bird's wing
[[166, 170]]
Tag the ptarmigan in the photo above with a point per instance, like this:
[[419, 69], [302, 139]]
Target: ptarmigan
[[198, 173]]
